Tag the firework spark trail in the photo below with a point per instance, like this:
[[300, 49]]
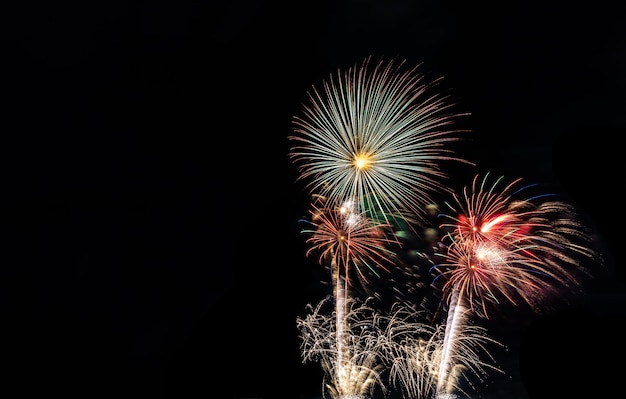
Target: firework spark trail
[[349, 244], [415, 350], [376, 134], [376, 342], [505, 247], [457, 318], [352, 363]]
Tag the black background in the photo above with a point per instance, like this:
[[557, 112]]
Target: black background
[[148, 224]]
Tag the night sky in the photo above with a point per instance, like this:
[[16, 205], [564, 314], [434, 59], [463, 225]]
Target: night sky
[[149, 210]]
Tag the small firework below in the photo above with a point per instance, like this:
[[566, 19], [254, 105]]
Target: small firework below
[[390, 349], [350, 243], [349, 351]]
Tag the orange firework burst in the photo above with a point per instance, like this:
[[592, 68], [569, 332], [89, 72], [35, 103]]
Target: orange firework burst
[[349, 241]]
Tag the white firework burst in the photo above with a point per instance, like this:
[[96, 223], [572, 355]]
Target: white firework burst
[[377, 133]]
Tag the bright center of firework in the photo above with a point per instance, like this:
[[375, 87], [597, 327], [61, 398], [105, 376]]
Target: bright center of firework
[[346, 208], [362, 161], [482, 253], [489, 256], [349, 217]]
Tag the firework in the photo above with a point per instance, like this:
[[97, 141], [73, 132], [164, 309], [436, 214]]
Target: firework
[[376, 134], [509, 244], [394, 346], [349, 242], [512, 244], [353, 359]]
